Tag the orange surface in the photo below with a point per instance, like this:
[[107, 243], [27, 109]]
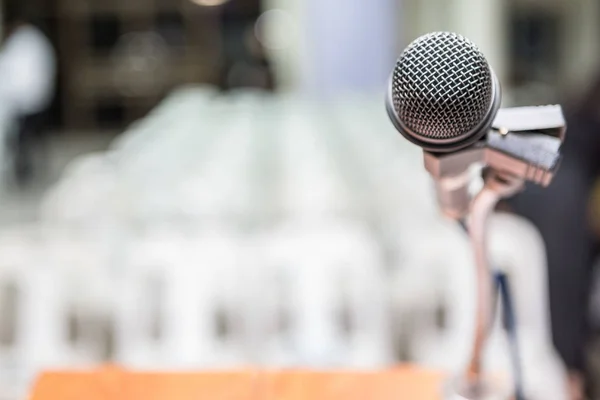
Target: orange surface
[[116, 384]]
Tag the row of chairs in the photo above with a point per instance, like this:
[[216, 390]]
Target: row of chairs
[[310, 296], [252, 229]]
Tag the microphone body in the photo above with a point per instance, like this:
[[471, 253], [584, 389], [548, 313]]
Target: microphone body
[[444, 97]]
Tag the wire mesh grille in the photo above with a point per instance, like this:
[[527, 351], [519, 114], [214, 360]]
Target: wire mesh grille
[[442, 86]]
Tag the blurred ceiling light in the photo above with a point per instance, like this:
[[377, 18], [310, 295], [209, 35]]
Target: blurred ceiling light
[[275, 29], [210, 3]]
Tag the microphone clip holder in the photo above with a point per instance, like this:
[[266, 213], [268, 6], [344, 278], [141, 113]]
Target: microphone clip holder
[[523, 142]]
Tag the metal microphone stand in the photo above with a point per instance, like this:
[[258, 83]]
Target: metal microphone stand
[[522, 145], [474, 385]]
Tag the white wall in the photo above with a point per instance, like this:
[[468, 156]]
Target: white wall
[[340, 45]]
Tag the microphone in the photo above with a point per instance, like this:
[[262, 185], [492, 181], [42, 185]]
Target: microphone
[[444, 97]]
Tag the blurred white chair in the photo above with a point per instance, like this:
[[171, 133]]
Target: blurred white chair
[[81, 227], [433, 291], [82, 221], [176, 295], [35, 307], [15, 267], [82, 264], [328, 306], [202, 168], [224, 184], [204, 321], [311, 184], [140, 293]]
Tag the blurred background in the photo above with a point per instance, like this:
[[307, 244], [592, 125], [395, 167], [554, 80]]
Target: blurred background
[[193, 184]]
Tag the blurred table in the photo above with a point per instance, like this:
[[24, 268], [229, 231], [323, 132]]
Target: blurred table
[[113, 383]]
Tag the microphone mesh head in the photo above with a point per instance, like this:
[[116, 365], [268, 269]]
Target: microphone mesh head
[[442, 86]]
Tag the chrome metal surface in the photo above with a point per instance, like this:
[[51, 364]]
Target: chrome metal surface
[[442, 88], [497, 186]]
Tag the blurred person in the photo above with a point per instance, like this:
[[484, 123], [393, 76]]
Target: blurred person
[[561, 214], [28, 74]]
